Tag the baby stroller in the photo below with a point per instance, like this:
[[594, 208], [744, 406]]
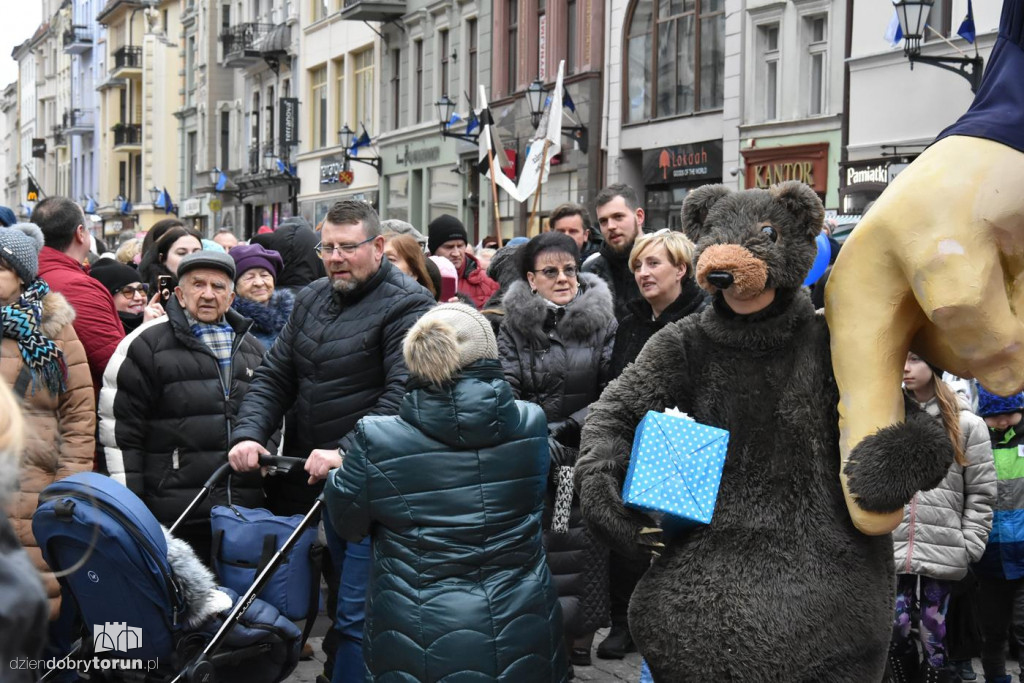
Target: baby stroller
[[144, 621]]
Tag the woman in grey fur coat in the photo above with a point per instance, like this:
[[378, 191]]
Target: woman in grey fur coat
[[555, 347]]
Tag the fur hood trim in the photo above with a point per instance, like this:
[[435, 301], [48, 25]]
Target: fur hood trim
[[57, 313], [198, 585], [589, 313], [271, 317]]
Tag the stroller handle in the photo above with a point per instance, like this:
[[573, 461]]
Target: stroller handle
[[285, 463]]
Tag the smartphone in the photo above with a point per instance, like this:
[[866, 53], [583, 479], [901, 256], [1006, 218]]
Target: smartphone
[[164, 284]]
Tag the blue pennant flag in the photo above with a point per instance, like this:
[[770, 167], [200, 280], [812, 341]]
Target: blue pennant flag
[[168, 205], [567, 101], [159, 203], [472, 124], [966, 30], [90, 206], [454, 119], [222, 181], [126, 206], [361, 141], [894, 32], [285, 168]]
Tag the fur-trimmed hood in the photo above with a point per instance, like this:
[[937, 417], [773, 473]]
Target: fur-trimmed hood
[[57, 314], [198, 584], [589, 313]]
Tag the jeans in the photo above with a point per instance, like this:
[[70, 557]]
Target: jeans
[[352, 563], [1001, 605]]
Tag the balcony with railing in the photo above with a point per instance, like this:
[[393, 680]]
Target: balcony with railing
[[77, 40], [373, 10], [79, 122], [243, 44], [128, 136], [59, 138], [127, 59]]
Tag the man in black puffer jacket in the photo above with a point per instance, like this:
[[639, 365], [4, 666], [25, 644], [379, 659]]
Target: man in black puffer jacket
[[169, 394], [338, 359]]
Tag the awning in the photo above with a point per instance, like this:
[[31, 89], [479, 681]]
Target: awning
[[278, 40]]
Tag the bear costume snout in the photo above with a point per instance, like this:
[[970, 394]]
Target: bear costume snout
[[731, 266]]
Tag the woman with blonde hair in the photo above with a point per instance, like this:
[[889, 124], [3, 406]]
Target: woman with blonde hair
[[24, 610], [943, 530]]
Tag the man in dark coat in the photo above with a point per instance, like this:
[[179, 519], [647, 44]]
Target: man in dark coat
[[169, 393], [338, 359], [621, 219], [572, 220]]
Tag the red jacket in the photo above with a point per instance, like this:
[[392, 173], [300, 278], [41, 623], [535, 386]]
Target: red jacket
[[474, 282], [96, 322]]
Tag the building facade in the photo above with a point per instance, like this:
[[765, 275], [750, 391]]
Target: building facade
[[11, 146], [339, 89], [138, 96], [887, 131], [82, 39]]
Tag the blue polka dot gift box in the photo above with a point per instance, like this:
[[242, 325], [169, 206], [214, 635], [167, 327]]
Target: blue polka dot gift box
[[675, 467]]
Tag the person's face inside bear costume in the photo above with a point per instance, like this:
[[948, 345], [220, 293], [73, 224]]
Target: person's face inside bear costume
[[753, 245]]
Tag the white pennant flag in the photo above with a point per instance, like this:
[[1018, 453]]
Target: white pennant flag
[[490, 142], [549, 135]]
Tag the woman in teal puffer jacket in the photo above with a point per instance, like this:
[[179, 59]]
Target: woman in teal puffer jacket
[[451, 490]]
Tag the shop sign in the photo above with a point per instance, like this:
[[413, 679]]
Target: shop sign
[[767, 166], [875, 173], [681, 163], [192, 206], [38, 147], [894, 170], [216, 205], [330, 168], [417, 157], [289, 129]]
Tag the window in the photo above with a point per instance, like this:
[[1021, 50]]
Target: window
[[417, 96], [571, 40], [675, 58], [318, 106], [190, 72], [816, 28], [443, 46], [396, 88], [471, 81], [320, 9], [340, 115], [225, 140], [512, 46], [190, 168], [270, 122], [768, 84], [363, 75], [940, 18]]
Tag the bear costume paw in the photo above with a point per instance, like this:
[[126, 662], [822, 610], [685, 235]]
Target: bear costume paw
[[607, 517], [886, 469]]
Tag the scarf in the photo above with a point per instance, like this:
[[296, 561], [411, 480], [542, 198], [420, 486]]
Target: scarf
[[219, 337], [22, 322]]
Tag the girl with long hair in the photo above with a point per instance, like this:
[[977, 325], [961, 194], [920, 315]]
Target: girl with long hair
[[943, 530], [407, 255]]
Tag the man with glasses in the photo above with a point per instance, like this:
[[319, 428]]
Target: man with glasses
[[61, 264], [338, 359], [131, 296]]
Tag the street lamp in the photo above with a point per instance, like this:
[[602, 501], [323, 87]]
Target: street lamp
[[445, 107], [154, 194], [535, 98], [913, 17], [345, 136]]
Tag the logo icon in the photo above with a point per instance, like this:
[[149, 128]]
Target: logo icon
[[116, 637]]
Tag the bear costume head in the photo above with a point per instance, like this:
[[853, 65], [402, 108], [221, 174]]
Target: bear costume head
[[754, 244]]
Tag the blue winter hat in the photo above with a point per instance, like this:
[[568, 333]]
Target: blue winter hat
[[7, 217], [989, 404]]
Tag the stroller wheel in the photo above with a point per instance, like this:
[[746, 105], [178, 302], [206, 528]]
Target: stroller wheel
[[200, 672]]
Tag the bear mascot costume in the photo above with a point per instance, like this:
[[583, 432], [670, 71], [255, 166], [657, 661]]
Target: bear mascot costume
[[792, 580], [780, 586]]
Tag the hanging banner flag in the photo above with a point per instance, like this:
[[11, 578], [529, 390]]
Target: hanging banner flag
[[546, 143]]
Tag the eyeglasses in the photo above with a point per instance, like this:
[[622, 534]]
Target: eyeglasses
[[323, 250], [129, 292], [551, 272]]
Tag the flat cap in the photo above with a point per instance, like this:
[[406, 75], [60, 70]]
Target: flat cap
[[215, 260]]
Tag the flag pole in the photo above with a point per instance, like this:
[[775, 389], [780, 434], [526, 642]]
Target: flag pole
[[494, 195], [540, 183]]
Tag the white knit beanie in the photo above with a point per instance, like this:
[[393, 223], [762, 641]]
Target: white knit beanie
[[446, 339]]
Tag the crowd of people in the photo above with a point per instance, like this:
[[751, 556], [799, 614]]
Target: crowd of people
[[436, 391]]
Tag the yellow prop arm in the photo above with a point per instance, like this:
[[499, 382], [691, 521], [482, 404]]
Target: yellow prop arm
[[937, 266]]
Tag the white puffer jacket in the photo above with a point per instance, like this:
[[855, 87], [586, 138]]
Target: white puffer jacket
[[946, 528]]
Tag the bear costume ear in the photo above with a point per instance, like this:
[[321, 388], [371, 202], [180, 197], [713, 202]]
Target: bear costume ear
[[800, 201], [696, 207]]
